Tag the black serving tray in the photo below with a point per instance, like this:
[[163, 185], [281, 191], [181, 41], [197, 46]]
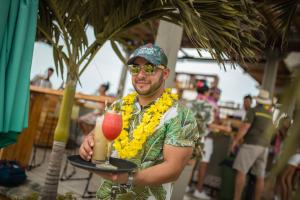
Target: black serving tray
[[123, 165]]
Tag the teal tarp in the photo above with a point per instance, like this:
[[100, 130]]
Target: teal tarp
[[17, 34]]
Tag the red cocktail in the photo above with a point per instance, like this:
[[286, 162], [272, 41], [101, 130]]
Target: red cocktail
[[112, 125], [111, 128]]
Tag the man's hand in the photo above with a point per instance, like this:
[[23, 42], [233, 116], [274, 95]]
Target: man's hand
[[239, 136], [228, 129], [86, 148], [233, 145]]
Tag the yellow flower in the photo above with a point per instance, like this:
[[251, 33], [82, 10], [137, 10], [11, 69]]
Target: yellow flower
[[127, 148]]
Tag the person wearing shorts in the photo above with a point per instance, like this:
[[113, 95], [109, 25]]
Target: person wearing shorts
[[205, 116], [286, 180], [253, 153]]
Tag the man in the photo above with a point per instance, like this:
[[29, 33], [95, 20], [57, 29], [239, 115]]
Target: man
[[247, 103], [43, 80], [253, 153], [162, 151]]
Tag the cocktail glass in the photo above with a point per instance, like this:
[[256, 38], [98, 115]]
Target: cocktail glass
[[111, 128]]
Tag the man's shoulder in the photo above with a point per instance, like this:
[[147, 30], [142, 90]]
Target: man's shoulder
[[181, 109], [200, 105], [180, 106], [178, 114], [251, 110]]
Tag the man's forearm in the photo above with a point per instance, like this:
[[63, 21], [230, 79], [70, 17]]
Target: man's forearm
[[175, 159], [242, 131], [158, 174]]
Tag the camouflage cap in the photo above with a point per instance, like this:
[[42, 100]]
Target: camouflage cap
[[152, 53]]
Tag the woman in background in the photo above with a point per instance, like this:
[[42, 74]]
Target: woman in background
[[88, 121]]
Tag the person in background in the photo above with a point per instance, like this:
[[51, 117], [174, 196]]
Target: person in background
[[283, 127], [205, 116], [87, 122], [255, 130], [43, 80], [287, 177], [205, 112], [215, 83], [158, 127], [213, 99], [277, 140], [247, 103]]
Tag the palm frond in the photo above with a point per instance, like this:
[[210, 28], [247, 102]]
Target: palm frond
[[278, 15], [116, 49], [225, 28]]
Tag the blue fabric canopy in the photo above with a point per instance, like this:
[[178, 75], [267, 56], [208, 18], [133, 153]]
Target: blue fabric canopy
[[17, 34]]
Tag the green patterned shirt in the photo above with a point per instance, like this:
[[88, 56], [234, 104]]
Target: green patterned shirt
[[204, 114], [177, 127]]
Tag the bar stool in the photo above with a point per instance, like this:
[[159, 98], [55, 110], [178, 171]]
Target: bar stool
[[45, 131], [44, 139]]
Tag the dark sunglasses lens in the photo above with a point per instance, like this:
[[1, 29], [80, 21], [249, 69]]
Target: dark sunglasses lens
[[134, 69], [149, 69]]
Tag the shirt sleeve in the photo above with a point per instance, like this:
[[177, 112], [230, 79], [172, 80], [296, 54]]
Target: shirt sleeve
[[182, 130], [249, 116]]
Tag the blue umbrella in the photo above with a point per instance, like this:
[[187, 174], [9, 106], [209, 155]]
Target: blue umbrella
[[17, 34]]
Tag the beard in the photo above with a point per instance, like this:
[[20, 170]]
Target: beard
[[154, 87]]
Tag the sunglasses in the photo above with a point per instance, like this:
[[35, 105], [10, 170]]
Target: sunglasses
[[149, 69]]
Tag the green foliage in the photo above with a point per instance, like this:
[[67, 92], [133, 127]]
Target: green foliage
[[278, 15], [235, 29]]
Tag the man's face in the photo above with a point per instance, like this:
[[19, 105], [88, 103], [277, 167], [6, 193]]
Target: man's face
[[247, 103], [50, 72], [102, 90], [147, 85]]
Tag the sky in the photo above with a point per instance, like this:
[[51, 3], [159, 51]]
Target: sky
[[106, 67]]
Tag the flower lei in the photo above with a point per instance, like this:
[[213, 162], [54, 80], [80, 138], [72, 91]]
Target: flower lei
[[127, 148]]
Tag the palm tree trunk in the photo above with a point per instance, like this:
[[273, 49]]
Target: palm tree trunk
[[61, 136], [291, 143]]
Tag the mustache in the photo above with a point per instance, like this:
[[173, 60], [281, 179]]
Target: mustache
[[142, 81]]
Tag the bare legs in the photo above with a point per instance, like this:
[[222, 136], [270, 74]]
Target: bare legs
[[259, 187], [286, 182], [240, 180], [201, 175]]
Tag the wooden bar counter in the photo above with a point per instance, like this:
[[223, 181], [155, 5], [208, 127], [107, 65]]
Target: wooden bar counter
[[40, 99]]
